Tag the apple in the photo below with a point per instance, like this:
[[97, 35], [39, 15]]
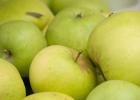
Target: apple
[[48, 96], [61, 69], [115, 90], [95, 5], [20, 41], [114, 46], [72, 27], [28, 10], [11, 84]]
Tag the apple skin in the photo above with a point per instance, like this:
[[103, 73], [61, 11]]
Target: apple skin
[[72, 27], [64, 70], [32, 10], [95, 5], [114, 46], [20, 41], [47, 2], [11, 84], [115, 90], [48, 96]]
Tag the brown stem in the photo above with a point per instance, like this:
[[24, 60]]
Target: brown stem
[[78, 55]]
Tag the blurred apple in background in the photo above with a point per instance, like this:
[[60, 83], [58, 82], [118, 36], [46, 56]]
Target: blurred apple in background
[[72, 26], [95, 5], [29, 10], [115, 90], [61, 69], [48, 96], [20, 41], [118, 5]]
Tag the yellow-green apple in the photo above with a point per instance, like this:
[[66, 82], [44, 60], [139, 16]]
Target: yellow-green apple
[[72, 27], [11, 84], [48, 96], [114, 46], [61, 69], [115, 90], [20, 41], [29, 10], [95, 5]]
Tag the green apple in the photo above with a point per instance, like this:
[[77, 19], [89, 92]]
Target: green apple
[[11, 84], [29, 10], [48, 96], [114, 46], [20, 41], [61, 69], [95, 5], [115, 90], [72, 27]]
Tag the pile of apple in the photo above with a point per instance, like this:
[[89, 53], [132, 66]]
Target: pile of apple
[[68, 50]]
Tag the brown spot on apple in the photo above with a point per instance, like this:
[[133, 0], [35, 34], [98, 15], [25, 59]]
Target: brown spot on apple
[[34, 14]]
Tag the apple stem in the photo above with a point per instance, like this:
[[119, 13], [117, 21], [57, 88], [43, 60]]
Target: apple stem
[[78, 55]]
